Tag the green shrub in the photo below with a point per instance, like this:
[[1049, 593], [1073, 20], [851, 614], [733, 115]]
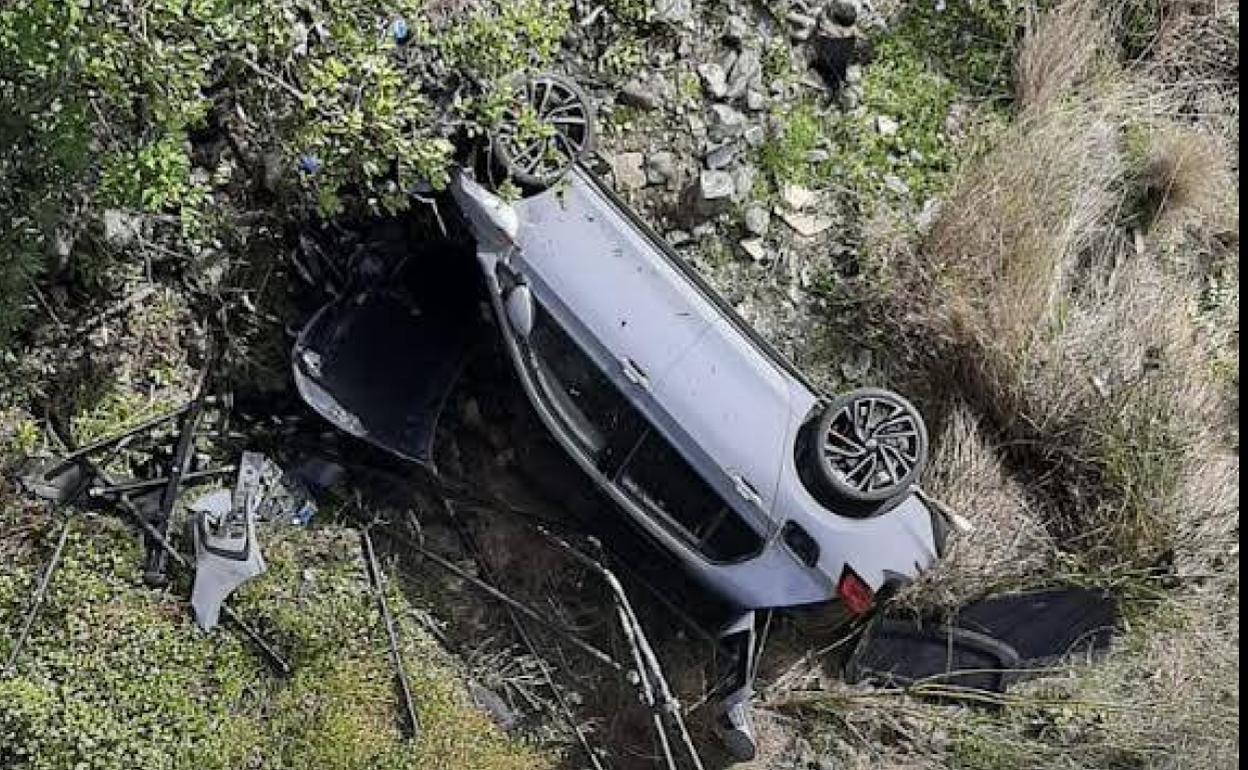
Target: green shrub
[[98, 102]]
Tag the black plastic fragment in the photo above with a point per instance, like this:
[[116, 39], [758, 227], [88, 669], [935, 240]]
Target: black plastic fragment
[[987, 645]]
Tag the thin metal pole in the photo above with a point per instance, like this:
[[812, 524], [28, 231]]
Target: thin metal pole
[[157, 568], [110, 441], [40, 592], [633, 629], [375, 575], [141, 484]]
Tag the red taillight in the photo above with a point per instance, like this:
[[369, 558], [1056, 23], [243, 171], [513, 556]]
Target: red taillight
[[856, 595]]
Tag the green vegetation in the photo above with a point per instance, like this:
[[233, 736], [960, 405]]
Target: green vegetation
[[117, 676], [925, 67], [783, 156], [322, 105]]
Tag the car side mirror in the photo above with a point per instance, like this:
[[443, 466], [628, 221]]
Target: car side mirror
[[519, 307]]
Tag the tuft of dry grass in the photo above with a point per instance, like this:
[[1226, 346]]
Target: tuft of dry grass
[[988, 278], [1060, 48], [1009, 546], [1184, 179]]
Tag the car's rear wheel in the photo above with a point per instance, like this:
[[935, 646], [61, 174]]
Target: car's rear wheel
[[870, 446], [547, 127]]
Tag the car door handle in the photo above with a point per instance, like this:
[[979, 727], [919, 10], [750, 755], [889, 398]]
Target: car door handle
[[634, 373], [746, 490]]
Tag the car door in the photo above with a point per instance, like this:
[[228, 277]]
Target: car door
[[668, 488], [576, 390], [597, 272]]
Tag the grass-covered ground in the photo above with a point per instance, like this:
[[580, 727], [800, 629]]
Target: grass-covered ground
[[1063, 318], [116, 675]]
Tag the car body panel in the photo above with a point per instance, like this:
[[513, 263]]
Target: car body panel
[[724, 398], [379, 362], [572, 247]]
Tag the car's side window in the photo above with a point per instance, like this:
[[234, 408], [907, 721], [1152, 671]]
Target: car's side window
[[600, 416], [658, 477]]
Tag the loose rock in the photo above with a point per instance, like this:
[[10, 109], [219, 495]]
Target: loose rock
[[886, 126], [745, 70], [628, 168], [714, 185], [894, 183], [673, 11], [754, 249], [726, 121], [661, 168], [721, 156], [796, 197], [120, 228], [714, 79], [743, 178], [755, 101], [804, 224], [641, 93], [843, 12], [678, 237], [757, 220]]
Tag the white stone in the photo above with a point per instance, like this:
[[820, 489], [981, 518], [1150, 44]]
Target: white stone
[[757, 220], [805, 225], [714, 185], [796, 197], [754, 249], [714, 79], [629, 170], [886, 125]]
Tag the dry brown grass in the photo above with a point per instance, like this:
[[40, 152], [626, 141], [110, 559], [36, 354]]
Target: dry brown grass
[[1028, 303], [1060, 48], [1185, 179], [1009, 545], [1076, 368], [994, 267]]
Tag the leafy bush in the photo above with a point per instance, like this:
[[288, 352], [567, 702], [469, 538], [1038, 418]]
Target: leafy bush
[[327, 104]]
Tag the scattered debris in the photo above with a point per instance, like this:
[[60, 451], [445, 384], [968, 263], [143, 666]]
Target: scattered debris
[[227, 553], [94, 471], [987, 645]]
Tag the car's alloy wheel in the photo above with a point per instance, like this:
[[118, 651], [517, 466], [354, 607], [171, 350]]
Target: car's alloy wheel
[[872, 446], [561, 130]]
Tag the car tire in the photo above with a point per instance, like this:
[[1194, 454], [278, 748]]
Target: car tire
[[561, 105], [870, 447]]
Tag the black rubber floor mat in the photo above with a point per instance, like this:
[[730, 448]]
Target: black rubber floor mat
[[1046, 626], [903, 653], [990, 644]]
